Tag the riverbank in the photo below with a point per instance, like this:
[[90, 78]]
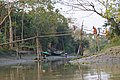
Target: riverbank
[[5, 61], [8, 60], [109, 56]]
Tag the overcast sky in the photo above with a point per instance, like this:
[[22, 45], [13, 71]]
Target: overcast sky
[[90, 19]]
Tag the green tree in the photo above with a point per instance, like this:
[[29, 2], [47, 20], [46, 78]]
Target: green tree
[[40, 18]]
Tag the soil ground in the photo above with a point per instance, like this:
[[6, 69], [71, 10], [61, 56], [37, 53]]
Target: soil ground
[[110, 56]]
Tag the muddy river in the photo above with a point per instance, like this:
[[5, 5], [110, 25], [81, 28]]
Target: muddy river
[[59, 71]]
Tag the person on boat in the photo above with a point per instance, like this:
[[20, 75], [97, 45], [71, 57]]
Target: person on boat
[[44, 57], [66, 55]]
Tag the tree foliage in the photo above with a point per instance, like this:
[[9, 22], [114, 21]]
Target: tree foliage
[[29, 17]]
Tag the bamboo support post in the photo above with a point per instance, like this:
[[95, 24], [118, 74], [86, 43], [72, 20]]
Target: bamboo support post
[[98, 47], [37, 46], [17, 51]]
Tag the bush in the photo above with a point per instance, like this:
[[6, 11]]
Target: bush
[[6, 52], [113, 42]]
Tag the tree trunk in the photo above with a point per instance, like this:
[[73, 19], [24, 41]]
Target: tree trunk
[[22, 33], [10, 28], [5, 28]]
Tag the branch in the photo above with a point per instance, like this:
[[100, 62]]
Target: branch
[[97, 11], [101, 2], [87, 15], [82, 7], [2, 5], [5, 18]]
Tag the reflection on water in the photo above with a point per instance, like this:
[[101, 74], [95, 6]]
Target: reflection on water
[[59, 71]]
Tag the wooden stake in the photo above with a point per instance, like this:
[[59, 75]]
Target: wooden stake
[[80, 49], [17, 50], [37, 46], [98, 48]]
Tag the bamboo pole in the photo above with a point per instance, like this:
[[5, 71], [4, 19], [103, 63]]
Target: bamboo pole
[[95, 36], [22, 33], [35, 37], [37, 46], [17, 50], [80, 48], [81, 44], [98, 46], [98, 36]]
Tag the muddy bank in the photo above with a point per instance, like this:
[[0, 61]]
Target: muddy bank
[[4, 61], [110, 56], [30, 59]]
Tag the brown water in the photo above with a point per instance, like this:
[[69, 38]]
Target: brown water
[[59, 71]]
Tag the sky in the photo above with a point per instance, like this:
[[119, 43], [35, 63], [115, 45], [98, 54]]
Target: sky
[[89, 19]]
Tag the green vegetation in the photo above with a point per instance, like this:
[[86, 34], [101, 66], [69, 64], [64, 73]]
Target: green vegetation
[[28, 18], [23, 19], [5, 52], [113, 42]]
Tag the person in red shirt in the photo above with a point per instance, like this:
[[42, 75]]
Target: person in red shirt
[[94, 30]]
